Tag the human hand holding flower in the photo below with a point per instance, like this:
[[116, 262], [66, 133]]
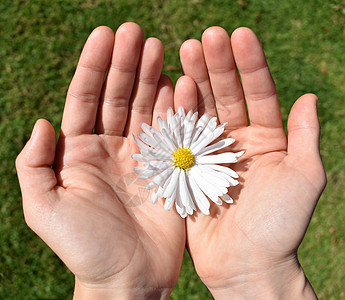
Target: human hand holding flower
[[114, 249], [249, 249], [76, 200]]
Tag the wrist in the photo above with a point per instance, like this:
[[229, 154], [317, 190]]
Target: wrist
[[282, 281], [87, 291]]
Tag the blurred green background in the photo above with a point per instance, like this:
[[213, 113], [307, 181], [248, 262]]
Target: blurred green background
[[40, 43]]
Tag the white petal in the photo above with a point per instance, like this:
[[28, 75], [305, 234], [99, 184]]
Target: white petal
[[200, 125], [158, 164], [228, 178], [214, 176], [222, 158], [148, 173], [189, 115], [219, 130], [223, 169], [170, 114], [162, 124], [181, 210], [139, 157], [181, 111], [218, 201], [201, 143], [148, 139], [159, 154], [188, 131], [146, 128], [141, 145], [239, 154], [184, 193], [202, 122], [209, 190], [150, 186], [169, 202], [219, 185], [233, 182], [226, 198], [161, 142], [194, 117], [163, 187], [217, 146], [205, 137], [199, 196], [154, 197], [155, 138], [172, 186], [162, 176], [139, 170], [166, 134], [178, 204], [175, 123], [169, 139], [160, 191]]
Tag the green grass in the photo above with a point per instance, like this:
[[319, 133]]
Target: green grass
[[40, 42]]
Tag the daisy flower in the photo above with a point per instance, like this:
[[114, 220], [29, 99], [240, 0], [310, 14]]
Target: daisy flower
[[178, 161]]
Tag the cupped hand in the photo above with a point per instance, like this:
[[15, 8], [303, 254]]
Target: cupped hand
[[253, 241], [80, 196]]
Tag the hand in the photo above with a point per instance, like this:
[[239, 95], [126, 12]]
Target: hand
[[81, 207], [249, 249]]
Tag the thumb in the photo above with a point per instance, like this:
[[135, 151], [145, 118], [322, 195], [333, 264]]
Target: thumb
[[36, 177], [304, 139]]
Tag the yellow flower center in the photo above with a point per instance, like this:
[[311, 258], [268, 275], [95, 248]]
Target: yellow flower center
[[183, 159]]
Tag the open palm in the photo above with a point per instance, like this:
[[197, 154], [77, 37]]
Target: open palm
[[280, 180], [88, 208]]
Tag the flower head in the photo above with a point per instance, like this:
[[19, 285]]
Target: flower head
[[177, 160]]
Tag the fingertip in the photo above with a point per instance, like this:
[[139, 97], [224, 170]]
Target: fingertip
[[35, 160], [101, 35], [155, 41], [130, 28], [185, 83], [304, 138], [190, 50], [40, 149], [244, 41], [103, 30], [214, 33], [242, 33], [303, 113], [153, 50], [165, 81]]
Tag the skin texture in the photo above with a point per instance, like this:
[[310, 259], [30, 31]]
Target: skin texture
[[249, 249], [80, 196], [114, 241]]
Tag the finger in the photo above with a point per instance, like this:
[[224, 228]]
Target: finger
[[82, 100], [36, 177], [119, 83], [185, 94], [226, 85], [304, 139], [164, 99], [148, 74], [194, 66], [258, 85]]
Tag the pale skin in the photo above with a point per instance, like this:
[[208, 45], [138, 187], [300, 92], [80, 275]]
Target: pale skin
[[113, 249], [249, 250], [71, 194]]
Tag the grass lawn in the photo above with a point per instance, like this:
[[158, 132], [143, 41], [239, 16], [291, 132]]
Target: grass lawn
[[40, 43]]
